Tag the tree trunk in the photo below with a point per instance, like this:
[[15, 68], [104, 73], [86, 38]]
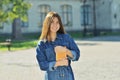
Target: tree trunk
[[16, 29]]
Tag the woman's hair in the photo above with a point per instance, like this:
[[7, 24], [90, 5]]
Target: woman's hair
[[45, 34]]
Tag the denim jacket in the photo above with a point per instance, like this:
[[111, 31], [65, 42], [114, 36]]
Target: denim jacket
[[46, 57]]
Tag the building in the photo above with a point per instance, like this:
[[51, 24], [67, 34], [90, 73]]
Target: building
[[106, 14], [75, 15]]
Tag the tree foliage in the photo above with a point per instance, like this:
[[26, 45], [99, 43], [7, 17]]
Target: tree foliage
[[11, 9]]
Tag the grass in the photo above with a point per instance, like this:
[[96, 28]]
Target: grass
[[20, 45], [79, 35], [30, 40], [76, 35]]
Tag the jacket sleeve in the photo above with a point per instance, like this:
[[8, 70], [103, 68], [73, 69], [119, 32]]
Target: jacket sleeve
[[42, 61], [73, 48]]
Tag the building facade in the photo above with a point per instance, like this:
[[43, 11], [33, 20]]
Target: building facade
[[107, 14], [74, 13]]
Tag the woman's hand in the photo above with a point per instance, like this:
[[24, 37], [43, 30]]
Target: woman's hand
[[60, 49], [63, 62]]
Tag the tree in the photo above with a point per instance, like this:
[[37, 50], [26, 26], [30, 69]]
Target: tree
[[14, 11]]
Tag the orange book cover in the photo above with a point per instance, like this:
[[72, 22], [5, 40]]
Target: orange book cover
[[60, 56]]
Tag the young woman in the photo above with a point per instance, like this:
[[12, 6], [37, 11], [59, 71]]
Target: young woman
[[56, 49]]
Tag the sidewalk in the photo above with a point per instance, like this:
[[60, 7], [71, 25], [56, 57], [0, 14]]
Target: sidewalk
[[100, 60], [103, 38]]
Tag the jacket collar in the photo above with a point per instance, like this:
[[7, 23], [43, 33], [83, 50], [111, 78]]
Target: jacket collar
[[59, 36]]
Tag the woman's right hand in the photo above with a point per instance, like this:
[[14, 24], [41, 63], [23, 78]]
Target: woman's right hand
[[60, 49], [63, 62]]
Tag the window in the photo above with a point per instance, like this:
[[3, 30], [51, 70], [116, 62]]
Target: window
[[86, 15], [67, 15], [1, 25], [25, 23], [44, 9]]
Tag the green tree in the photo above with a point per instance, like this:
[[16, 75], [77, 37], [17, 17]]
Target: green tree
[[14, 11]]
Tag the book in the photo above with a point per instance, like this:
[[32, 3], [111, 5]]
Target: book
[[60, 56]]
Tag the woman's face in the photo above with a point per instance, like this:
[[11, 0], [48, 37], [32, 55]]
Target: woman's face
[[54, 27]]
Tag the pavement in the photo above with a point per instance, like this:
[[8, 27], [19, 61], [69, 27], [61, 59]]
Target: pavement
[[100, 60], [103, 38]]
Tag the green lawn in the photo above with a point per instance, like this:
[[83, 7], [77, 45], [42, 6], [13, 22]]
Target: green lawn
[[20, 45], [30, 40]]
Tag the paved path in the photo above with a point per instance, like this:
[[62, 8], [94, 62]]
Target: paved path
[[103, 38], [100, 60]]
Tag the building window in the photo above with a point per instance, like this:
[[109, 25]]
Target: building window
[[67, 15], [1, 22], [44, 9], [24, 24], [1, 25], [86, 15]]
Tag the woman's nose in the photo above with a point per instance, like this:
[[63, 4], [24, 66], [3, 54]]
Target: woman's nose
[[55, 24]]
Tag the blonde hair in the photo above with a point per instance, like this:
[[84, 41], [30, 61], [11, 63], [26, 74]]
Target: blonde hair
[[45, 35]]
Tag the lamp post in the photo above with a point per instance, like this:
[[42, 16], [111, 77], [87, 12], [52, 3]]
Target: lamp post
[[84, 19], [94, 19]]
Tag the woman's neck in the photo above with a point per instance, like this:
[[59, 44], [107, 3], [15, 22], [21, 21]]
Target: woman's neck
[[53, 36]]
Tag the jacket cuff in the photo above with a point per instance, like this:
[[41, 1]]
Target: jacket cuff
[[74, 55], [51, 66]]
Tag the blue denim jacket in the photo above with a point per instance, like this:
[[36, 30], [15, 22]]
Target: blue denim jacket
[[46, 57]]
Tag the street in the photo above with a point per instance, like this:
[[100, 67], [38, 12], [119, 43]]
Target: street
[[100, 60]]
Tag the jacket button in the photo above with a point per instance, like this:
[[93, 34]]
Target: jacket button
[[62, 75]]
